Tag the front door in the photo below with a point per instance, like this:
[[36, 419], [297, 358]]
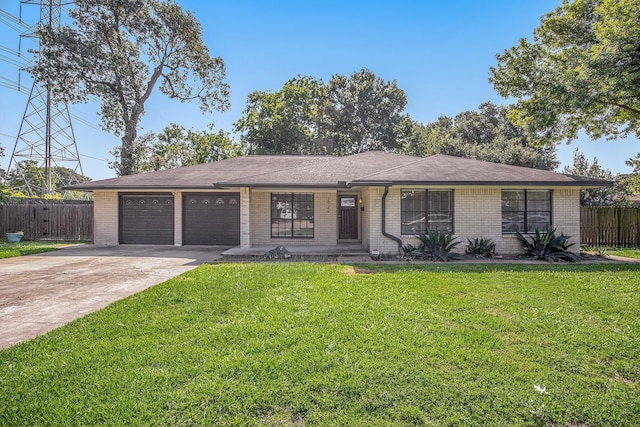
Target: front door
[[348, 217]]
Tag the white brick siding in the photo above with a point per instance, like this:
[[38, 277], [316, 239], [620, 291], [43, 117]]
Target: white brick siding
[[566, 214], [105, 218], [325, 230], [177, 219], [477, 213], [245, 217]]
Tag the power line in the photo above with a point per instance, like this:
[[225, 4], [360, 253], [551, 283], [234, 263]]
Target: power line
[[10, 84], [14, 23], [11, 51], [46, 135], [21, 63]]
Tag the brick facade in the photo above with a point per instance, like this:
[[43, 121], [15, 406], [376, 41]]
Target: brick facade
[[325, 230], [105, 218], [477, 213]]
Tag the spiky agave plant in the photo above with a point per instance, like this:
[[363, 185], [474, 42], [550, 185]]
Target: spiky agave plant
[[438, 246], [481, 247], [548, 246]]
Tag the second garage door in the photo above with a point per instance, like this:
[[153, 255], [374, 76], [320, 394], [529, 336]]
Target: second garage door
[[211, 218]]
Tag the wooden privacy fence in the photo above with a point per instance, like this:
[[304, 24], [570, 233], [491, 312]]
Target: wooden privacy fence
[[609, 226], [48, 219]]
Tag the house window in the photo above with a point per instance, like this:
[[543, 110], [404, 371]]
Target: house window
[[425, 210], [524, 211], [292, 215]]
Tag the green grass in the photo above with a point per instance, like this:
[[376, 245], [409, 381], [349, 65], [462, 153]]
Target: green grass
[[316, 345], [627, 253], [9, 250]]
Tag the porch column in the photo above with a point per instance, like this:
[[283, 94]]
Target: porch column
[[177, 218], [245, 217]]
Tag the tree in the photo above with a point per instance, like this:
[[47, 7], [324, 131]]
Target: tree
[[431, 138], [485, 134], [364, 113], [286, 121], [120, 51], [173, 148], [617, 195], [307, 116], [580, 71], [28, 171], [4, 189], [631, 181]]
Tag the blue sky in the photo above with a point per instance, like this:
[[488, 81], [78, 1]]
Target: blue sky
[[438, 52]]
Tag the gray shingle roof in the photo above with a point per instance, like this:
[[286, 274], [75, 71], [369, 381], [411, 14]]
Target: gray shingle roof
[[370, 168]]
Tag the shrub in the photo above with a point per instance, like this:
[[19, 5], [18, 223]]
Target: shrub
[[410, 252], [481, 247], [436, 246], [548, 246]]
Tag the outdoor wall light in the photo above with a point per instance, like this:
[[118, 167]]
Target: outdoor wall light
[[360, 202]]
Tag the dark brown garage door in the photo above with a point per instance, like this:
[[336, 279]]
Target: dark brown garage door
[[211, 218], [146, 219]]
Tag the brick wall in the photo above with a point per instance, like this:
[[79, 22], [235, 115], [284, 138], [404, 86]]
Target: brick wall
[[566, 214], [373, 201], [365, 218], [105, 218], [177, 218], [477, 213], [245, 217], [325, 220]]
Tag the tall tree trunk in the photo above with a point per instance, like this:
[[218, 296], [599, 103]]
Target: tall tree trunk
[[127, 162]]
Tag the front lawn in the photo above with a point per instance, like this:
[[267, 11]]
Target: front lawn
[[9, 250], [628, 253], [623, 252], [331, 345]]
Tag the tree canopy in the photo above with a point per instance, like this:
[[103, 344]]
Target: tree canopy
[[119, 51], [348, 115], [174, 148], [286, 121], [632, 180], [364, 113], [485, 134], [581, 71], [617, 195], [31, 180]]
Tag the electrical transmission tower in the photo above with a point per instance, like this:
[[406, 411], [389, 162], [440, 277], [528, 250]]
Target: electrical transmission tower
[[45, 138]]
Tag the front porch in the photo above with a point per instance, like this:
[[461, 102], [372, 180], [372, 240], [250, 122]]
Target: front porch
[[352, 251]]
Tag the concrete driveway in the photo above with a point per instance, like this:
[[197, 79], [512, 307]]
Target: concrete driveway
[[41, 292]]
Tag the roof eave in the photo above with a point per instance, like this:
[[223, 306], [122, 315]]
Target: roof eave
[[342, 184], [222, 185], [139, 187], [485, 183]]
